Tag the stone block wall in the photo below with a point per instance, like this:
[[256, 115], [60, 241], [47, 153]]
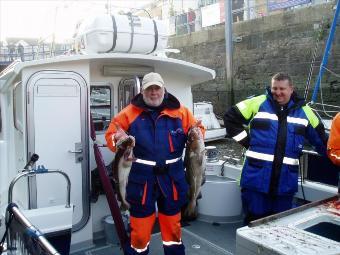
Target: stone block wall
[[281, 42]]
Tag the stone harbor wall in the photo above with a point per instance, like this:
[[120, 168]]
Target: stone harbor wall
[[264, 46]]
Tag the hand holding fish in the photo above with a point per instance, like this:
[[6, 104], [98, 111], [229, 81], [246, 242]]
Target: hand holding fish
[[125, 141], [120, 134]]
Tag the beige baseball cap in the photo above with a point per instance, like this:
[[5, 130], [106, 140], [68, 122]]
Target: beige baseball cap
[[152, 79]]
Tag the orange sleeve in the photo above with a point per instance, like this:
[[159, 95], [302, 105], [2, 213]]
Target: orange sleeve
[[124, 120], [333, 146]]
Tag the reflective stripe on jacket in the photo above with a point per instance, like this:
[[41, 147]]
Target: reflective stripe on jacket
[[274, 137]]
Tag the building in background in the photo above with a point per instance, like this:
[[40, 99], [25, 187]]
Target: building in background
[[181, 17], [187, 16]]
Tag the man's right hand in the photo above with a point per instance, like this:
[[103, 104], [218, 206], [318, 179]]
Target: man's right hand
[[120, 134]]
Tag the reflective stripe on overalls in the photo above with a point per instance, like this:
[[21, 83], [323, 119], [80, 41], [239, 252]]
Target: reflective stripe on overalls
[[153, 163]]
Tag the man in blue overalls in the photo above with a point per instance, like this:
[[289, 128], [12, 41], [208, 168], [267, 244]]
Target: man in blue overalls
[[273, 128]]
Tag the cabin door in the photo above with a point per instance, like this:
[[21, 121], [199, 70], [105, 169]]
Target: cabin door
[[57, 121]]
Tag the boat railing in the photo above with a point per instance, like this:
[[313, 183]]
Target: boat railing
[[304, 163], [10, 53], [34, 172], [312, 168], [23, 237]]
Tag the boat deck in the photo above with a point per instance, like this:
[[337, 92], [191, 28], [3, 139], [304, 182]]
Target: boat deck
[[199, 238]]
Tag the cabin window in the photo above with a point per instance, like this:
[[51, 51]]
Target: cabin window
[[100, 105], [127, 89]]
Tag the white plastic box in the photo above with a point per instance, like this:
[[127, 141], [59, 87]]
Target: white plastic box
[[204, 111]]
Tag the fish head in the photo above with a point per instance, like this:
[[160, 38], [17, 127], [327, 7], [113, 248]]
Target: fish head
[[126, 142], [195, 140], [195, 134], [126, 145]]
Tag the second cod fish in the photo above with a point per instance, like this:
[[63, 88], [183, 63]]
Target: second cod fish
[[195, 168]]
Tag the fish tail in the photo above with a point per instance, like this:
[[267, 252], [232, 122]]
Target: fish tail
[[124, 205], [190, 211]]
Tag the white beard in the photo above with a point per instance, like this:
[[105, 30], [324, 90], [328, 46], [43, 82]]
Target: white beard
[[153, 103]]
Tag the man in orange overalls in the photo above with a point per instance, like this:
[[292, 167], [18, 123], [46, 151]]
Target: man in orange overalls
[[160, 125]]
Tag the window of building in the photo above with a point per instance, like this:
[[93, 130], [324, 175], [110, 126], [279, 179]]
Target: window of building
[[100, 106], [202, 3]]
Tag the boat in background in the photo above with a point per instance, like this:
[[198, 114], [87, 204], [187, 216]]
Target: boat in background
[[204, 111]]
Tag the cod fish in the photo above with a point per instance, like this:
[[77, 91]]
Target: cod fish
[[195, 168], [122, 166]]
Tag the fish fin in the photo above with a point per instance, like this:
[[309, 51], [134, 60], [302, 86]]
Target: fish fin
[[124, 206], [191, 210], [203, 179], [186, 157], [200, 159], [119, 195]]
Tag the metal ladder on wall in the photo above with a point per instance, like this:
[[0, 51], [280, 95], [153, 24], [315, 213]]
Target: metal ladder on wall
[[335, 23], [323, 66]]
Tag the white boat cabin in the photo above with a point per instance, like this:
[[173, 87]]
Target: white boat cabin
[[45, 109]]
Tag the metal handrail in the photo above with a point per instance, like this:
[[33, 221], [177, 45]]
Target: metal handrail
[[44, 243], [31, 52], [14, 108], [33, 172]]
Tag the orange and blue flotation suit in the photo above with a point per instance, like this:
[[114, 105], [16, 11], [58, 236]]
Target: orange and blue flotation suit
[[157, 174]]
